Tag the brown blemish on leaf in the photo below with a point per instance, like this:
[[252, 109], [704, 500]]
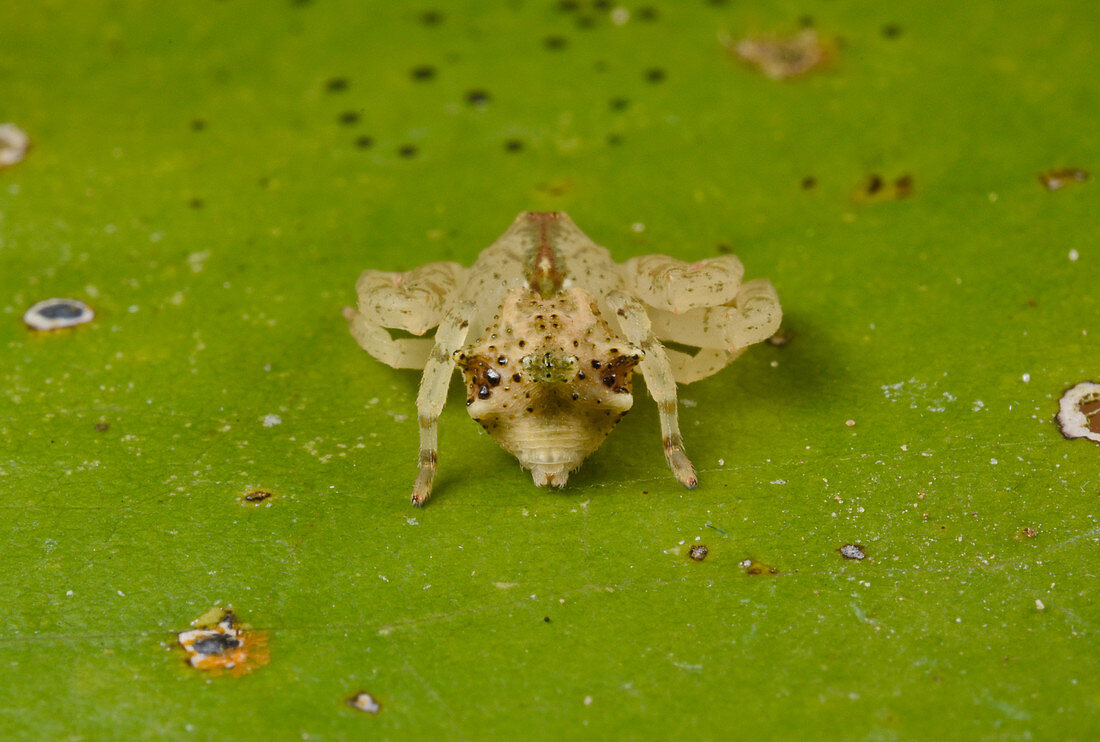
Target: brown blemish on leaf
[[755, 568], [698, 552], [1025, 532], [102, 427], [1079, 412], [781, 58], [1056, 178], [218, 643], [256, 495]]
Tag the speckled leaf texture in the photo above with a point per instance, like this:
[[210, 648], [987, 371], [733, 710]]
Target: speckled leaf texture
[[211, 177]]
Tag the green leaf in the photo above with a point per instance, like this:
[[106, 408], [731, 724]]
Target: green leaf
[[211, 177]]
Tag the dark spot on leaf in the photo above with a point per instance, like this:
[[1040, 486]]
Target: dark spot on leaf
[[619, 104], [364, 142], [347, 118], [554, 43], [647, 13], [256, 495], [478, 97], [546, 619], [216, 644], [808, 182], [198, 125], [102, 427], [60, 311], [513, 145], [891, 30], [876, 189], [431, 17], [423, 73], [724, 249], [903, 186], [614, 139], [196, 203], [585, 22], [407, 151], [336, 84], [568, 6], [655, 75], [698, 552]]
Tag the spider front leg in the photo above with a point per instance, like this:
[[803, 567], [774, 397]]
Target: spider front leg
[[450, 336], [659, 379], [411, 301]]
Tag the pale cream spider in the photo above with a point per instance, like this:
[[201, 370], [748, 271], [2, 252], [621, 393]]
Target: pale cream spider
[[548, 377]]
